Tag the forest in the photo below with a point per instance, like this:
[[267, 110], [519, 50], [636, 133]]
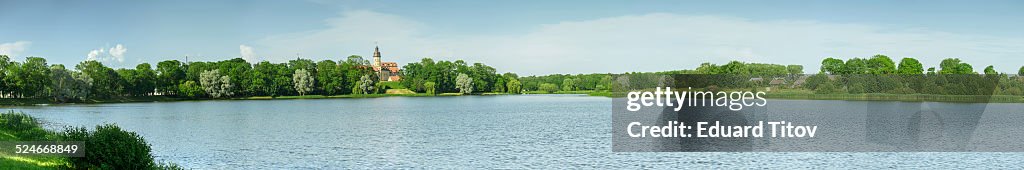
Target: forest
[[34, 78]]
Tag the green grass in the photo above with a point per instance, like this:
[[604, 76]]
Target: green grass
[[28, 162], [399, 91], [392, 84]]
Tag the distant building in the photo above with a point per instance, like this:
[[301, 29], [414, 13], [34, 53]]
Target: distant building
[[777, 82], [386, 71]]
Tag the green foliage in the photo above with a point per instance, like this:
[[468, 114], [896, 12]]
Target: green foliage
[[954, 66], [990, 70], [795, 69], [170, 73], [365, 85], [330, 77], [514, 86], [304, 81], [106, 82], [826, 87], [190, 89], [21, 125], [109, 147], [910, 66], [833, 66], [881, 64], [430, 87], [548, 87], [215, 85], [569, 84], [464, 83]]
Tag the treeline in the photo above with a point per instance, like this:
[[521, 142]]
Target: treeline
[[880, 74], [603, 81], [568, 82], [34, 78], [435, 77]]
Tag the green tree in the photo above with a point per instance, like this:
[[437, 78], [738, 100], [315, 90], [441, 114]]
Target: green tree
[[364, 85], [33, 77], [881, 64], [170, 73], [954, 66], [464, 83], [63, 84], [990, 70], [190, 89], [856, 66], [514, 87], [569, 84], [795, 69], [215, 85], [146, 80], [832, 66], [430, 87], [330, 77], [106, 82], [909, 66], [304, 81], [548, 87]]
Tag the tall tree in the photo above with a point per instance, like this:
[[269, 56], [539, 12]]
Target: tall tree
[[514, 87], [990, 70], [795, 69], [146, 80], [464, 83], [856, 66], [832, 66], [34, 77], [881, 64], [303, 81], [106, 82], [330, 77], [954, 66], [910, 66], [170, 73]]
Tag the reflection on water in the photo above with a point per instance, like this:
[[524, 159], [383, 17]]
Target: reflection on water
[[529, 131]]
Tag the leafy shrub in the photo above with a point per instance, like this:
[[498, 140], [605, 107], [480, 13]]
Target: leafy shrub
[[109, 147], [22, 125]]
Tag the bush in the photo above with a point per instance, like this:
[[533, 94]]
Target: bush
[[109, 147], [23, 126], [548, 87]]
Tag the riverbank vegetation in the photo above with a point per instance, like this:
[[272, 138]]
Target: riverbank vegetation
[[874, 78], [34, 81], [107, 146]]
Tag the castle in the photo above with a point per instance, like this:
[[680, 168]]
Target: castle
[[386, 71]]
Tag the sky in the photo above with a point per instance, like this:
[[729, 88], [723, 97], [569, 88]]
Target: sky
[[525, 37]]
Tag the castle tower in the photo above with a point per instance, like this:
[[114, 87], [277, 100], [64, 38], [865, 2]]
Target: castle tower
[[376, 57]]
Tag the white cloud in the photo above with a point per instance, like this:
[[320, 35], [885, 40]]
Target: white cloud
[[113, 54], [650, 42], [14, 48], [247, 53]]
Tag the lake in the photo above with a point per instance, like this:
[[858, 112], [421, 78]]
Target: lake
[[524, 131]]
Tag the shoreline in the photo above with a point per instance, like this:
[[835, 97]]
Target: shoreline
[[806, 96]]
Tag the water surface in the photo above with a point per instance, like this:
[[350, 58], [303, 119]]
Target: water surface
[[526, 131]]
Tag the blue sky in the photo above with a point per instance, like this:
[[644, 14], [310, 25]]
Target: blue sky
[[527, 37]]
